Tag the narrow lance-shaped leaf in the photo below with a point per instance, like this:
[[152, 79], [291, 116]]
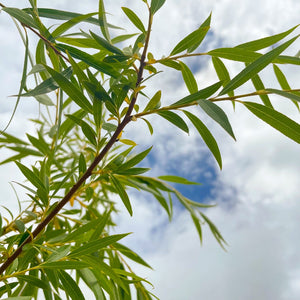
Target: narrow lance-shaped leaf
[[134, 19], [189, 41], [70, 89], [122, 193], [70, 286], [154, 102], [217, 114], [258, 84], [21, 16], [188, 78], [177, 179], [65, 15], [255, 67], [69, 24], [89, 60], [134, 160], [222, 72], [156, 5], [206, 25], [96, 245], [267, 41], [277, 120], [105, 44], [291, 96], [206, 136], [102, 20], [202, 94], [174, 119]]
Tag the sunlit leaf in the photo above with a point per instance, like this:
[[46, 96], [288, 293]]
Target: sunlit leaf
[[105, 44], [96, 245], [258, 84], [33, 281], [154, 102], [176, 179], [70, 286], [102, 20]]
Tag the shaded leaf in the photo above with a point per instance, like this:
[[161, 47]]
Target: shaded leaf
[[266, 42], [202, 94], [217, 114], [189, 41], [156, 5], [21, 16], [105, 44], [64, 265], [177, 179], [188, 78], [255, 67], [174, 119], [102, 20], [134, 19], [122, 193], [70, 286], [206, 136], [283, 124], [33, 281]]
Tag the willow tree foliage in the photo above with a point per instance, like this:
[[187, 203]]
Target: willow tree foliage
[[90, 85]]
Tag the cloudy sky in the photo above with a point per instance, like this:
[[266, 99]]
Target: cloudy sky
[[257, 191]]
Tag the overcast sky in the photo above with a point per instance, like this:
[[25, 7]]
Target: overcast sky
[[258, 190]]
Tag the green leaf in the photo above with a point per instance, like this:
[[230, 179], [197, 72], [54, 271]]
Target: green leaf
[[90, 60], [174, 119], [285, 94], [19, 298], [59, 253], [96, 245], [206, 136], [170, 63], [33, 281], [283, 124], [217, 114], [122, 38], [222, 72], [102, 20], [266, 42], [64, 265], [154, 102], [131, 255], [71, 90], [258, 84], [134, 160], [188, 78], [105, 44], [87, 130], [30, 176], [156, 5], [255, 67], [149, 125], [65, 15], [177, 179], [134, 19], [197, 224], [121, 192], [69, 24], [194, 38], [70, 286], [48, 85], [235, 54], [21, 16], [206, 25], [202, 94]]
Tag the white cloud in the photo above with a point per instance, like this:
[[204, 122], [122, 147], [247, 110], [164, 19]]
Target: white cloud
[[258, 188]]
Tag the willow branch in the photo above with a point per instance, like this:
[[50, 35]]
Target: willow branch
[[88, 173]]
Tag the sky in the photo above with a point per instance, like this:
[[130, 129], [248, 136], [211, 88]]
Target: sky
[[257, 192]]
